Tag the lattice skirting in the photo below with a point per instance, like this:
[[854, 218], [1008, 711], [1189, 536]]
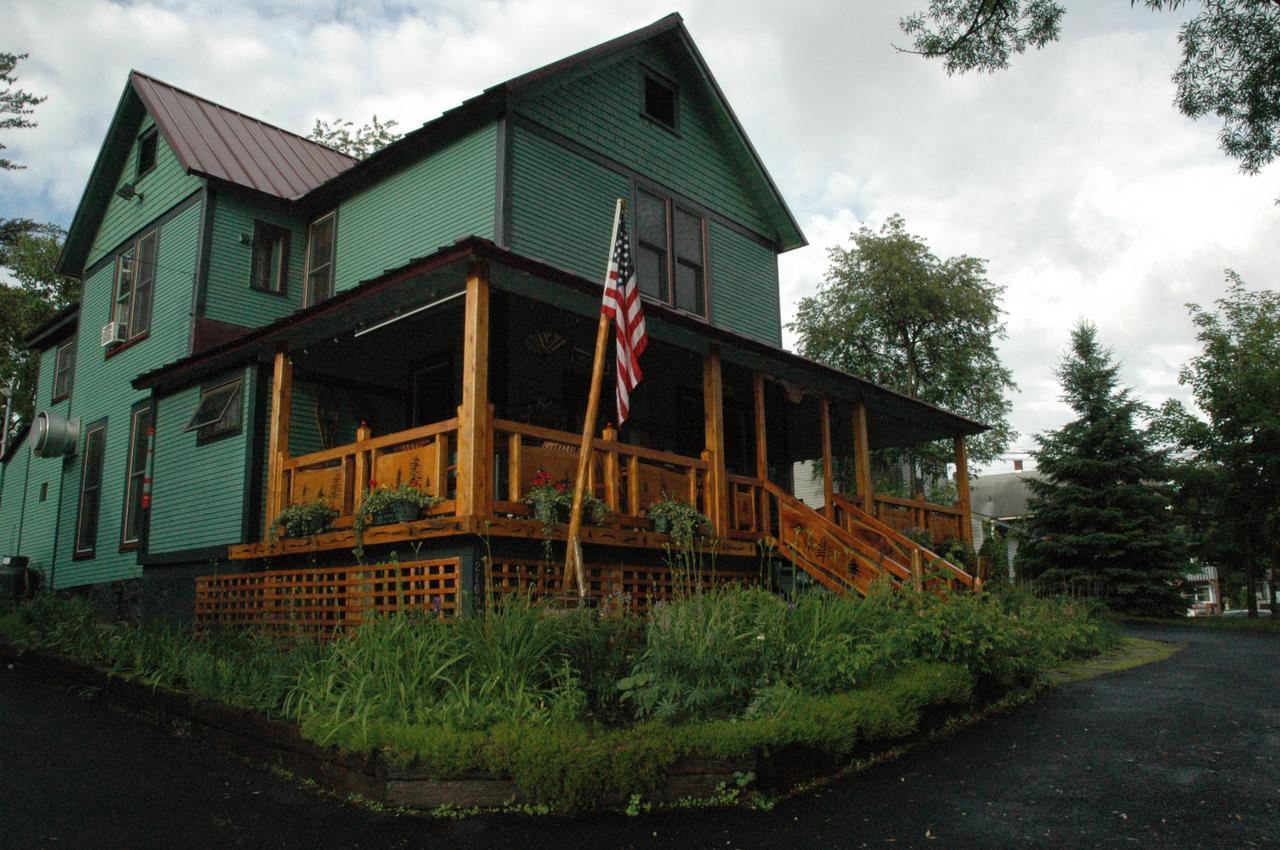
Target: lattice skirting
[[319, 601]]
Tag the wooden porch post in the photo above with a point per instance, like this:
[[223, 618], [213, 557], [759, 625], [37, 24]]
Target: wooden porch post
[[862, 458], [762, 450], [962, 491], [278, 434], [828, 472], [717, 492], [473, 415]]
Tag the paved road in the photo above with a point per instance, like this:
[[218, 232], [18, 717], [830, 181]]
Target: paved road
[[1181, 753]]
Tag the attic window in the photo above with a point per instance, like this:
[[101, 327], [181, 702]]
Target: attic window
[[660, 101], [147, 152]]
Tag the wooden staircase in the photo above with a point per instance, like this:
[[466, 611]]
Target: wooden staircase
[[852, 552]]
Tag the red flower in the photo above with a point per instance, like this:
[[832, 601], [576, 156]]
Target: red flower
[[373, 485], [561, 486]]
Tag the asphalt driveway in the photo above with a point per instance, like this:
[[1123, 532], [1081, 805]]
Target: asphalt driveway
[[1179, 753]]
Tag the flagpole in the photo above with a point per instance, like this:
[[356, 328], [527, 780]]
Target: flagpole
[[573, 567]]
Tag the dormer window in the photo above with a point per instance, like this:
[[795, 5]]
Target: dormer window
[[660, 99], [146, 152]]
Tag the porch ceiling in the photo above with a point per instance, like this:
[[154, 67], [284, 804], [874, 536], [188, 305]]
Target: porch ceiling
[[893, 419]]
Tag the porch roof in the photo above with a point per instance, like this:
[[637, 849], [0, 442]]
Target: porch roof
[[894, 419]]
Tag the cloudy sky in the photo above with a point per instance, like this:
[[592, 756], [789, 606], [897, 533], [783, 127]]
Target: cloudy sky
[[1072, 174]]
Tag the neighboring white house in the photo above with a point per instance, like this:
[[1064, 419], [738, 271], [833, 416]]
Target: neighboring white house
[[1000, 500]]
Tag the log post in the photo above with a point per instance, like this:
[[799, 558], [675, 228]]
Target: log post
[[762, 452], [278, 434], [612, 471], [862, 458], [962, 491], [363, 462], [713, 422], [473, 413], [828, 469]]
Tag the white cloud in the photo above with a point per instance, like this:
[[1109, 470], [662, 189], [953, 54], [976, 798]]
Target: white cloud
[[1090, 196]]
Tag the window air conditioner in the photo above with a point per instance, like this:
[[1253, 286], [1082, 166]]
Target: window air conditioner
[[112, 332]]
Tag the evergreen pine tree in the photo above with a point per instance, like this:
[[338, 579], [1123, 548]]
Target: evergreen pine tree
[[1100, 520]]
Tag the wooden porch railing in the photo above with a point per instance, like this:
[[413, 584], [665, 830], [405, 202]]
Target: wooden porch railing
[[627, 478], [921, 563], [942, 522], [342, 474]]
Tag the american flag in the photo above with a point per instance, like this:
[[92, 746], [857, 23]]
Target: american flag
[[622, 304]]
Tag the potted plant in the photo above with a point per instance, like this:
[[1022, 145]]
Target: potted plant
[[553, 500], [383, 505], [679, 519], [305, 518]]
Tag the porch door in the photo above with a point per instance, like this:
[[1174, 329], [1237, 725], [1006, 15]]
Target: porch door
[[431, 392]]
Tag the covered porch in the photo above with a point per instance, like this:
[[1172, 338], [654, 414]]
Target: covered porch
[[466, 374]]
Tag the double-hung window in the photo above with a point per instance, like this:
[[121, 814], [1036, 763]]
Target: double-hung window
[[320, 244], [135, 495], [135, 282], [95, 440], [671, 243], [63, 370], [270, 258]]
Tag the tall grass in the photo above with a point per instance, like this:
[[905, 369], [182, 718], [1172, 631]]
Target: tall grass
[[725, 654]]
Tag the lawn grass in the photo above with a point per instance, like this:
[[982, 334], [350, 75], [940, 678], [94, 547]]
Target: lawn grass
[[1228, 624]]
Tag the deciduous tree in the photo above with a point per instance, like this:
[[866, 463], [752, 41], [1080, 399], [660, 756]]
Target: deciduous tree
[[359, 142], [1230, 477], [1230, 57], [892, 312], [15, 104], [1100, 515]]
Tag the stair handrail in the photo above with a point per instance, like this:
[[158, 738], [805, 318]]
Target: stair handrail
[[875, 525]]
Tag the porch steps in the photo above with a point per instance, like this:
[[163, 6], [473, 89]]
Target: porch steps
[[851, 555]]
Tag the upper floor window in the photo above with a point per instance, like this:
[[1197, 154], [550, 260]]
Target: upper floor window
[[64, 367], [671, 264], [660, 100], [270, 258], [146, 152], [320, 243], [135, 281]]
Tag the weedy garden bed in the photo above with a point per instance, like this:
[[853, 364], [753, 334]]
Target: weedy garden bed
[[721, 696]]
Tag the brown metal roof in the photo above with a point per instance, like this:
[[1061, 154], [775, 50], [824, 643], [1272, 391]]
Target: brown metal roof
[[217, 142]]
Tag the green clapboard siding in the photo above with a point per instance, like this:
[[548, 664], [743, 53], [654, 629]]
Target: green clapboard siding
[[198, 494], [102, 391], [229, 298], [744, 285], [11, 500], [162, 187], [562, 205], [603, 110], [430, 204]]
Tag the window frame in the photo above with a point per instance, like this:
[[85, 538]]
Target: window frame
[[265, 234], [308, 291], [126, 307], [64, 369], [81, 551], [151, 138], [207, 433], [135, 501], [671, 259], [647, 76]]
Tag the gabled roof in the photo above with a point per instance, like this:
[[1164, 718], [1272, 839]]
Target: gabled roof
[[214, 141], [209, 140], [492, 101]]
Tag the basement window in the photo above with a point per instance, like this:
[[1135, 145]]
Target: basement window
[[660, 99], [218, 413]]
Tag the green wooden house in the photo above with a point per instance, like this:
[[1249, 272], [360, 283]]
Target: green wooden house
[[266, 322]]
